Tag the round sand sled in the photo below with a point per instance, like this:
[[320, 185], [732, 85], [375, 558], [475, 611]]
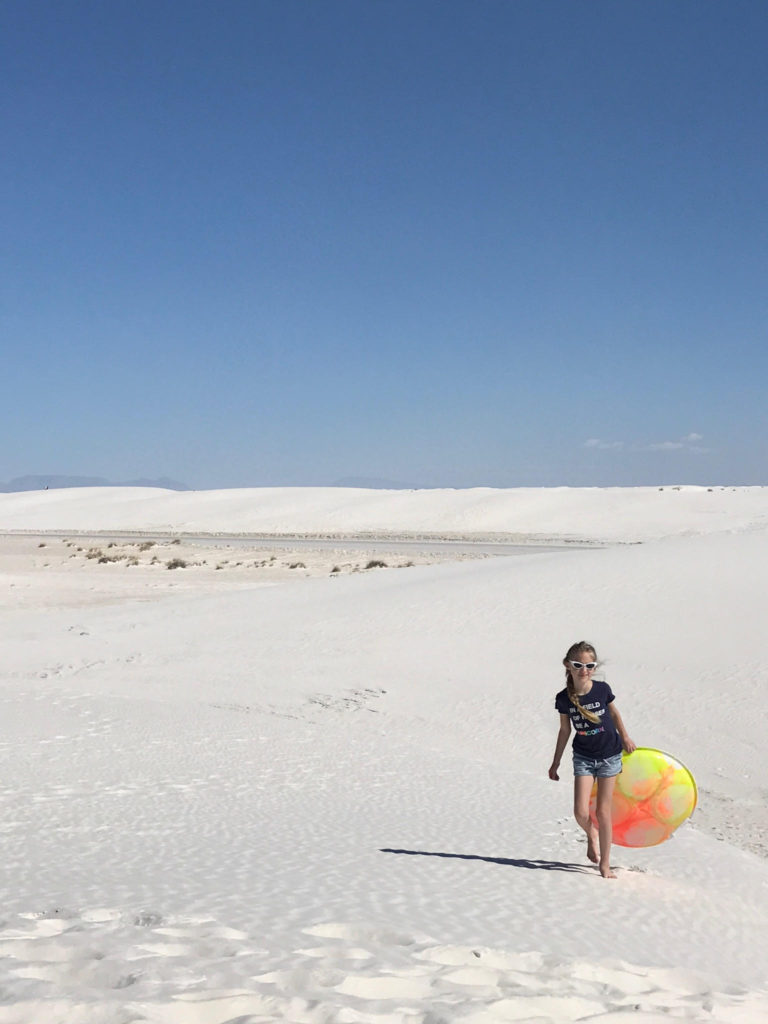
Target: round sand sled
[[654, 794]]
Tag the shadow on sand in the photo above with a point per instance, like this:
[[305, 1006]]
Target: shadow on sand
[[513, 862]]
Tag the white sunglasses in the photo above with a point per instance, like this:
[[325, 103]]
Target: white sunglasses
[[584, 664]]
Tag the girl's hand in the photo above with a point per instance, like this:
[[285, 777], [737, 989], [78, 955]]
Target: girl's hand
[[553, 773], [629, 745]]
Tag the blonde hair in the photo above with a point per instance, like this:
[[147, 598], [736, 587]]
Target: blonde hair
[[581, 647]]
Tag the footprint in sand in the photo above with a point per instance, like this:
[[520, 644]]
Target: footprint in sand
[[62, 966]]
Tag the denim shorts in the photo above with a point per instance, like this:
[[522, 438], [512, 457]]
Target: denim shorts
[[600, 768]]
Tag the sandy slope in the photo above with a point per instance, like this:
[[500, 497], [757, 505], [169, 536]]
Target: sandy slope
[[618, 513], [325, 799]]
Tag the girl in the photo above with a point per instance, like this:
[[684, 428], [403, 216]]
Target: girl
[[588, 704]]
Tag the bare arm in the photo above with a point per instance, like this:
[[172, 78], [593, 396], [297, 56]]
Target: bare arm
[[562, 738], [628, 744]]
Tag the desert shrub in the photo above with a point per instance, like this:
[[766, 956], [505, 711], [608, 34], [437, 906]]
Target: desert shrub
[[176, 541], [376, 563], [41, 544], [94, 553], [297, 565], [146, 545], [176, 563], [336, 568]]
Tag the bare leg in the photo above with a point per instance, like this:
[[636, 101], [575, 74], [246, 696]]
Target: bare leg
[[582, 790], [604, 812]]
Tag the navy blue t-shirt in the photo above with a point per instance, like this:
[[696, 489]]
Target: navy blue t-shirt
[[592, 740]]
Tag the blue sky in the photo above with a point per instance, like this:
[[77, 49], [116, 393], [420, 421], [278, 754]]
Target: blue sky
[[269, 242]]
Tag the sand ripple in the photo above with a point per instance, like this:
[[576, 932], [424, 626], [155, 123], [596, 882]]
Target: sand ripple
[[102, 966]]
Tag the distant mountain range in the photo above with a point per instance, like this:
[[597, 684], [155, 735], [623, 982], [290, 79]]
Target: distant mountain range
[[52, 482]]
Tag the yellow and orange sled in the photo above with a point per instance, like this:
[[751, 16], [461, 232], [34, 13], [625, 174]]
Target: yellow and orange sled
[[654, 794]]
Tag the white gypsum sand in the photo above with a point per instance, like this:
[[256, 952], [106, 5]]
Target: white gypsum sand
[[621, 514], [323, 798]]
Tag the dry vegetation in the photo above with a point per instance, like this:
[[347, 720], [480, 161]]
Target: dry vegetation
[[239, 560]]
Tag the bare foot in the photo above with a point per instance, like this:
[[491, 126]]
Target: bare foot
[[607, 871], [593, 852]]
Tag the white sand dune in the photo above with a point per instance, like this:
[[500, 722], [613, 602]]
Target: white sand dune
[[232, 800], [615, 513]]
